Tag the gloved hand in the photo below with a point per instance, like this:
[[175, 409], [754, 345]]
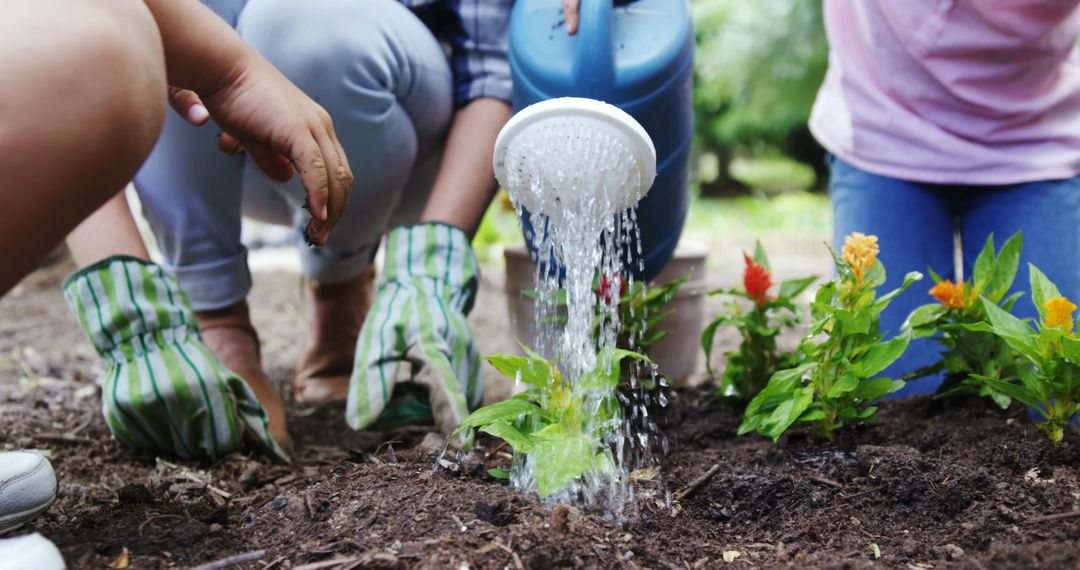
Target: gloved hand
[[163, 389], [426, 289]]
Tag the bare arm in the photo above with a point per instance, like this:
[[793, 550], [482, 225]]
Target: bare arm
[[466, 180], [258, 108]]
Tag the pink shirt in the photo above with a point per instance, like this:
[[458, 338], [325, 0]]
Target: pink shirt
[[953, 91]]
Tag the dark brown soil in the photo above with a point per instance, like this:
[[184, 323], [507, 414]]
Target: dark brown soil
[[929, 486]]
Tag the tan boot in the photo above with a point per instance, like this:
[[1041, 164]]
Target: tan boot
[[335, 313], [231, 337]]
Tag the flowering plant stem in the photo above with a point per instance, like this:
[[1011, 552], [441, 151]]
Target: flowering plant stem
[[834, 382], [749, 368], [1051, 385], [971, 352]]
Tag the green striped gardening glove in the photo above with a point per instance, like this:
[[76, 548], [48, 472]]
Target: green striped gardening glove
[[418, 318], [163, 390]]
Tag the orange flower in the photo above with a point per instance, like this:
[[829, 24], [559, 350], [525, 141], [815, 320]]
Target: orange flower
[[756, 280], [1059, 312], [860, 252], [951, 294]]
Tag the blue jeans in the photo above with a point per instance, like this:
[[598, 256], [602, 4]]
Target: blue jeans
[[915, 224]]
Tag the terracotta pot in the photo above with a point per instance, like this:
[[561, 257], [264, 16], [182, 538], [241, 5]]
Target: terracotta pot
[[678, 354]]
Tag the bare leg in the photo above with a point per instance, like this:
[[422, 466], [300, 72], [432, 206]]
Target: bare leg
[[82, 116], [109, 231]]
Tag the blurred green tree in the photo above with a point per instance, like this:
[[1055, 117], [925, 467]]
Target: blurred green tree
[[757, 69]]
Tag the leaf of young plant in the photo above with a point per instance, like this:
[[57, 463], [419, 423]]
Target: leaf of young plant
[[1071, 348], [1003, 401], [923, 321], [606, 373], [845, 383], [506, 410], [880, 356], [510, 434], [1014, 391], [532, 370], [870, 390], [984, 265], [707, 342], [1012, 330], [876, 275], [787, 413], [780, 388], [793, 287], [885, 299], [550, 432], [499, 473], [1004, 272], [558, 462], [1042, 290]]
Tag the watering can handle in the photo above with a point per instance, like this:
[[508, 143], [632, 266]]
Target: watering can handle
[[594, 61]]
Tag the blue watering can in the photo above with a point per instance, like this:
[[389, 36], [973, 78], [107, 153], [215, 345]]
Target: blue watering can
[[638, 56]]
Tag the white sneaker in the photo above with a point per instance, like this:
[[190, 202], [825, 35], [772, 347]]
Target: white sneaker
[[27, 487], [30, 551]]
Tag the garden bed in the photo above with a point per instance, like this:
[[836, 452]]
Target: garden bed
[[930, 485]]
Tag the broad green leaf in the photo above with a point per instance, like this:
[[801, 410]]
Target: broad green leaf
[[871, 390], [1035, 384], [876, 275], [550, 432], [607, 371], [1002, 400], [506, 410], [984, 265], [499, 473], [844, 384], [510, 434], [923, 320], [707, 342], [780, 388], [1042, 290], [1071, 348], [787, 413], [853, 322], [880, 356], [793, 287], [1012, 330], [1014, 391], [1004, 273], [559, 462], [531, 370]]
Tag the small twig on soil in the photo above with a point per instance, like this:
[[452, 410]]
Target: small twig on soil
[[1056, 517], [825, 481], [273, 563], [696, 483], [517, 560], [328, 563], [861, 493], [233, 560], [501, 445]]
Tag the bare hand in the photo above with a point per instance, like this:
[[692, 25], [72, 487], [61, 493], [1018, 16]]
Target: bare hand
[[282, 130], [570, 14]]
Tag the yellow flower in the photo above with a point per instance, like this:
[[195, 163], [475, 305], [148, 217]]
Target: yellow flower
[[1059, 312], [860, 252], [951, 294]]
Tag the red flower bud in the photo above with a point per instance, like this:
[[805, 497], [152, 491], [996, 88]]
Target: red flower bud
[[756, 280]]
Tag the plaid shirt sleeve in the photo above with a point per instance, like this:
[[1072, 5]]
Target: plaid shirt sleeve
[[476, 31]]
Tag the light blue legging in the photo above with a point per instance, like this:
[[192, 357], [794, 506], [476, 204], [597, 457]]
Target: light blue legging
[[915, 222], [386, 83]]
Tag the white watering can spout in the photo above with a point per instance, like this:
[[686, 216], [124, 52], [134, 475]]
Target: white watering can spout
[[573, 156]]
